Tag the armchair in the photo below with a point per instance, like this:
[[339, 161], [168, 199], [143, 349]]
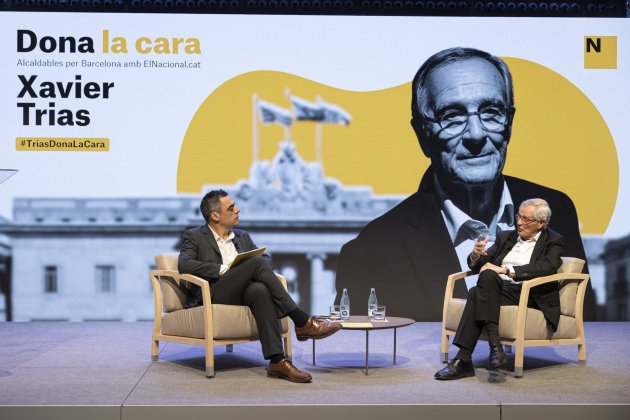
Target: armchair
[[208, 325], [520, 326]]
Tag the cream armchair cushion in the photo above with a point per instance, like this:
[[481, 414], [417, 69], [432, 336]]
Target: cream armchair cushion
[[230, 322]]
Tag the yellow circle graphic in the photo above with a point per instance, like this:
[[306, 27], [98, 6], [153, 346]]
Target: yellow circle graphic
[[559, 138]]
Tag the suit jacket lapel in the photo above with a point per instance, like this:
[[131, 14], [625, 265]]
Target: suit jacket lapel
[[432, 257], [540, 245], [238, 242], [425, 216], [506, 247], [207, 233]]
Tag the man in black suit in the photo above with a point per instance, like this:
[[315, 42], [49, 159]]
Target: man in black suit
[[532, 250], [462, 112], [207, 252]]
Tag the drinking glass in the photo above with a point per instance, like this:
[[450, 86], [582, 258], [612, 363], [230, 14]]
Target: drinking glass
[[335, 313], [378, 314]]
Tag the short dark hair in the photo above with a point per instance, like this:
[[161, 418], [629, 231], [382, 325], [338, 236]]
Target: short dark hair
[[211, 202], [419, 88]]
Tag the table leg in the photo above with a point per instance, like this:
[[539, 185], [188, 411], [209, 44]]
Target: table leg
[[313, 352], [367, 354], [395, 345]]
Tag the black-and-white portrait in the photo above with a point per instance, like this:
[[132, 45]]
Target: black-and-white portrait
[[463, 107]]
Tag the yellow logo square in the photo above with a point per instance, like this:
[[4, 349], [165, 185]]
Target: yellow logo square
[[600, 52]]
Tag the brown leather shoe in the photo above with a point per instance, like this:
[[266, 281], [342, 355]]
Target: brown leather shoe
[[285, 370], [316, 329]]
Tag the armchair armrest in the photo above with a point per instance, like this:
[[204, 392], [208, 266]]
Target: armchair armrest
[[196, 280], [527, 285], [207, 302], [166, 273], [177, 277], [450, 286], [157, 290]]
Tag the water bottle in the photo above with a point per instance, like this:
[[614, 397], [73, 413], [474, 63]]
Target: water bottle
[[344, 305], [372, 303]]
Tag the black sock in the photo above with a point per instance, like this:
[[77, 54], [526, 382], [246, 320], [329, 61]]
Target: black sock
[[276, 358], [492, 328], [299, 317], [464, 355]]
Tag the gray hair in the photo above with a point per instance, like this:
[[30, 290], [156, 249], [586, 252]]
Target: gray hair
[[419, 91], [542, 211]]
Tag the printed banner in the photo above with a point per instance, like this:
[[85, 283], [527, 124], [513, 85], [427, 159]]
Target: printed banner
[[119, 123]]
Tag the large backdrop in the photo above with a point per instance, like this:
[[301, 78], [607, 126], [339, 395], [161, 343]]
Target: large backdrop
[[311, 112]]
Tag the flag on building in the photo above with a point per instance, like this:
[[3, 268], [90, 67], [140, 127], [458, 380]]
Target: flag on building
[[271, 113], [305, 110], [334, 114]]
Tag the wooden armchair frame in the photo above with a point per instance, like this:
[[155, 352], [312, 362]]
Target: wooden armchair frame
[[208, 342], [520, 342]]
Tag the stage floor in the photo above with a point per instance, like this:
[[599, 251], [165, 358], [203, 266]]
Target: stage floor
[[104, 371]]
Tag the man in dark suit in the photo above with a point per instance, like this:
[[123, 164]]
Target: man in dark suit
[[532, 250], [462, 113], [207, 252]]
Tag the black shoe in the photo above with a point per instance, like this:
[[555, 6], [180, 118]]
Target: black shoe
[[456, 369], [497, 356]]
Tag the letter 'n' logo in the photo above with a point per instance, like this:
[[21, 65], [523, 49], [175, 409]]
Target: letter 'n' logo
[[600, 52]]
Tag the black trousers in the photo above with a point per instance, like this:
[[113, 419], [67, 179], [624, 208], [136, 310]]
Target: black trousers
[[483, 304], [254, 284]]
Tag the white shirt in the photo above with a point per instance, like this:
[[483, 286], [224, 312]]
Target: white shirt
[[227, 249], [520, 254], [465, 230]]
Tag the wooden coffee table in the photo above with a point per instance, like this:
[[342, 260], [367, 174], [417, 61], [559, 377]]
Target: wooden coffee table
[[362, 321]]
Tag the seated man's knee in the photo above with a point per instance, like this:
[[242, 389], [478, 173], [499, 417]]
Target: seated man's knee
[[258, 263], [255, 290], [260, 260], [487, 277]]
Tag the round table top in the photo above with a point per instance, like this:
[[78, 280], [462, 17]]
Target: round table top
[[362, 321]]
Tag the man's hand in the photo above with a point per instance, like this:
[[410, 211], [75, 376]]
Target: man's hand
[[497, 269], [480, 247]]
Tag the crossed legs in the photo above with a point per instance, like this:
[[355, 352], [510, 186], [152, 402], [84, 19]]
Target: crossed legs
[[483, 307], [254, 284]]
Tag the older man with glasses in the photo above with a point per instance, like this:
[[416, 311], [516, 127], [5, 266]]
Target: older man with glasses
[[532, 250], [462, 111]]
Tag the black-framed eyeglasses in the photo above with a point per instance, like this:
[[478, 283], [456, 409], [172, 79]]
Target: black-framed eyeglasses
[[454, 121]]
